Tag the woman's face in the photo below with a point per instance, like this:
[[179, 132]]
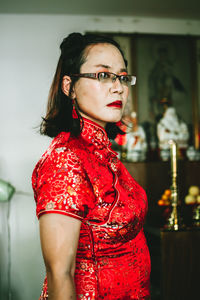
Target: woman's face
[[97, 100]]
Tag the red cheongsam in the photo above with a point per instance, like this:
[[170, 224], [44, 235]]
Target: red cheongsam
[[83, 178]]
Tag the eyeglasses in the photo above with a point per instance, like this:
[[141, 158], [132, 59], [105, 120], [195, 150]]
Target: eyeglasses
[[108, 77]]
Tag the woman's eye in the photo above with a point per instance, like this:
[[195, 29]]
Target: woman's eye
[[124, 79], [103, 75]]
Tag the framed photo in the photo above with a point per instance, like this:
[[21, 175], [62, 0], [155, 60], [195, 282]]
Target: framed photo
[[163, 70]]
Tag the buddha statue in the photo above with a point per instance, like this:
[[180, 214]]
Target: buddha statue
[[170, 127]]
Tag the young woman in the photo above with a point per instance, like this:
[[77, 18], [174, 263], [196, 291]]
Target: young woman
[[91, 211]]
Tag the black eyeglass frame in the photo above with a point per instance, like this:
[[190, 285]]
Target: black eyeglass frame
[[97, 76]]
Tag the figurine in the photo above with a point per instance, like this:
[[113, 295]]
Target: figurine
[[136, 140], [171, 128]]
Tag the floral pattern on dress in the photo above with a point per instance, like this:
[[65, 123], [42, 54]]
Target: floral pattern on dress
[[83, 178]]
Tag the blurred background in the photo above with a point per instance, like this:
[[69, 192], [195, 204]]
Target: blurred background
[[30, 35]]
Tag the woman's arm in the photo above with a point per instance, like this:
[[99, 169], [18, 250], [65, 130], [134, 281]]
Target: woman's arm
[[59, 236]]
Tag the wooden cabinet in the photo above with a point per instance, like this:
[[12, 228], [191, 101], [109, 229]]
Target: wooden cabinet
[[180, 265]]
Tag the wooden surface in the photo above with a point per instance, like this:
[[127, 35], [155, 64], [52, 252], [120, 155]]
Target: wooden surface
[[180, 265]]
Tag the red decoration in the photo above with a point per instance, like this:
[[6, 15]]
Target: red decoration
[[121, 139], [118, 123], [74, 113]]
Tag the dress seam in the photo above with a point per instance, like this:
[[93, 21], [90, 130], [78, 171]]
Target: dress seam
[[94, 259], [116, 199], [62, 212]]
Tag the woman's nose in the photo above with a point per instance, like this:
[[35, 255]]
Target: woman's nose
[[117, 86]]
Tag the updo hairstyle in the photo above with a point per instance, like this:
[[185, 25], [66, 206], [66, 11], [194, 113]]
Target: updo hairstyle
[[59, 108]]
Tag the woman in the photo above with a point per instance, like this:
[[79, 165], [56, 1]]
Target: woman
[[90, 210]]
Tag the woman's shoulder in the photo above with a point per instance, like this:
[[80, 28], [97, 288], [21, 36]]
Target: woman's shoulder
[[61, 152], [59, 181]]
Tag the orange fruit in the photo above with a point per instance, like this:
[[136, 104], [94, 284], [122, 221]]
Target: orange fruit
[[161, 202], [165, 197], [167, 192]]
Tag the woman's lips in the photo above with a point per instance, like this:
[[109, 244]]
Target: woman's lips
[[117, 104]]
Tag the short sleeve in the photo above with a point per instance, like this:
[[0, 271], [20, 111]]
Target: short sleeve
[[61, 186]]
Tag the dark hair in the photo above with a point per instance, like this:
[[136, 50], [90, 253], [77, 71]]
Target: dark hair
[[59, 108]]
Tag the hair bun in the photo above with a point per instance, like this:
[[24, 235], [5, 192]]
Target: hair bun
[[72, 44]]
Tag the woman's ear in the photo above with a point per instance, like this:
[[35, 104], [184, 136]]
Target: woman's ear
[[66, 83]]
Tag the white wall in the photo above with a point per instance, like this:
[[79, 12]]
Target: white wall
[[29, 49]]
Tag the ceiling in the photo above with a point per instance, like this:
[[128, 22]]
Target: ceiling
[[177, 9]]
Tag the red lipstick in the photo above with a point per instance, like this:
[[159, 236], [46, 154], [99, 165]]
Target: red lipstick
[[117, 104]]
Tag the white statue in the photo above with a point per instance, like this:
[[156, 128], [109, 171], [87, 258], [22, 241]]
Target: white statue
[[136, 140], [171, 128]]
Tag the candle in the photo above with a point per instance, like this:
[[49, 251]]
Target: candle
[[173, 152]]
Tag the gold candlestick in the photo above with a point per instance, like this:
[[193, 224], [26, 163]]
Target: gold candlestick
[[173, 155], [174, 218]]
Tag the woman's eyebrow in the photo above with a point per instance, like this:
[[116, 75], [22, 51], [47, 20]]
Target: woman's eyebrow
[[124, 70], [103, 66], [109, 67]]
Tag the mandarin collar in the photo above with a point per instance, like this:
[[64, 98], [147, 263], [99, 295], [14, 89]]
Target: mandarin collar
[[95, 134]]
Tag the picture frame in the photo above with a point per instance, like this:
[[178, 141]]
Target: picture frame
[[166, 71]]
